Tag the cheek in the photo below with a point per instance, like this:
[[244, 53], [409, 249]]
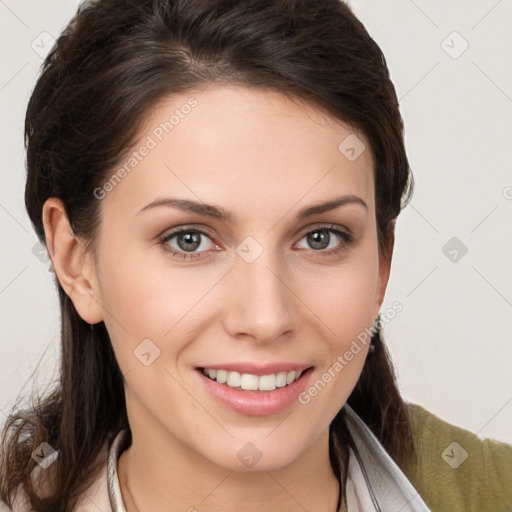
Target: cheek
[[144, 299], [136, 300], [346, 307], [347, 311], [345, 298]]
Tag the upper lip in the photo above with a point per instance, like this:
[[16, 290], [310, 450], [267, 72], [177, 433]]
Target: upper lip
[[258, 369]]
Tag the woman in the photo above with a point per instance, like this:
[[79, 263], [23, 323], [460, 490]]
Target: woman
[[217, 184]]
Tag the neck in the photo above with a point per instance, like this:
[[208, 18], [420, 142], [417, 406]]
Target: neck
[[158, 473]]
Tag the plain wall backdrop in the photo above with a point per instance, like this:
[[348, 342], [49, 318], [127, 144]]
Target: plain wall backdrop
[[452, 267]]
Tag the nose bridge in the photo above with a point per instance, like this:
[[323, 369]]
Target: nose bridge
[[262, 304]]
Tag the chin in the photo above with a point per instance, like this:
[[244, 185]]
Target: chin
[[256, 455]]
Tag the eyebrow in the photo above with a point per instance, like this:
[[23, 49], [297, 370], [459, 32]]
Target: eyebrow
[[216, 212]]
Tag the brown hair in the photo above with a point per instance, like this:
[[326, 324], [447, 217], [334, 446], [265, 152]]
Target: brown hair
[[113, 62]]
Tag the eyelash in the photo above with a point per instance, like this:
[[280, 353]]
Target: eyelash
[[347, 239]]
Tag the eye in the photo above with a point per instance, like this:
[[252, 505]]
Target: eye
[[188, 241], [321, 238]]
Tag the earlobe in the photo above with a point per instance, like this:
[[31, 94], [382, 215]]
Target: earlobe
[[74, 268]]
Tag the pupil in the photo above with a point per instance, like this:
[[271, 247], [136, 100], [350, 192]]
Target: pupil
[[318, 239], [190, 239]]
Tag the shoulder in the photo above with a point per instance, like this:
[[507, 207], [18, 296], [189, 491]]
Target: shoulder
[[94, 498], [457, 471]]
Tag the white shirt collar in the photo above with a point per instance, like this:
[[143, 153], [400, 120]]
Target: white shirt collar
[[374, 481]]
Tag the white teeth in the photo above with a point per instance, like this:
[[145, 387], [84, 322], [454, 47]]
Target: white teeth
[[267, 382], [281, 379], [234, 379], [222, 376], [249, 381]]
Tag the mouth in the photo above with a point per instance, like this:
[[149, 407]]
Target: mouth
[[252, 381], [259, 393]]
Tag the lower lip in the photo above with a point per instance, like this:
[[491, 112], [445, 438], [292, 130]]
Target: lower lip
[[256, 403]]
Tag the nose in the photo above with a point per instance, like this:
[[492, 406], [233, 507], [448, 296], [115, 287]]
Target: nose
[[261, 303]]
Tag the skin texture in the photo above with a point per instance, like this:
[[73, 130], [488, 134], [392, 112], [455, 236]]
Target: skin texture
[[263, 157]]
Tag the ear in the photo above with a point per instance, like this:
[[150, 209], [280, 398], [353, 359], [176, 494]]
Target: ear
[[75, 269], [385, 265]]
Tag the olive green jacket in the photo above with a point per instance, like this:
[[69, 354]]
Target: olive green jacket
[[455, 470]]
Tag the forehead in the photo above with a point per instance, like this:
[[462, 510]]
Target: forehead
[[228, 143]]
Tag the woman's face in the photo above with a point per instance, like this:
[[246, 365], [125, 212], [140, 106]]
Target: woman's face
[[259, 281]]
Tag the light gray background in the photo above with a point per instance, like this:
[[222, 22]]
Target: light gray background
[[451, 344]]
